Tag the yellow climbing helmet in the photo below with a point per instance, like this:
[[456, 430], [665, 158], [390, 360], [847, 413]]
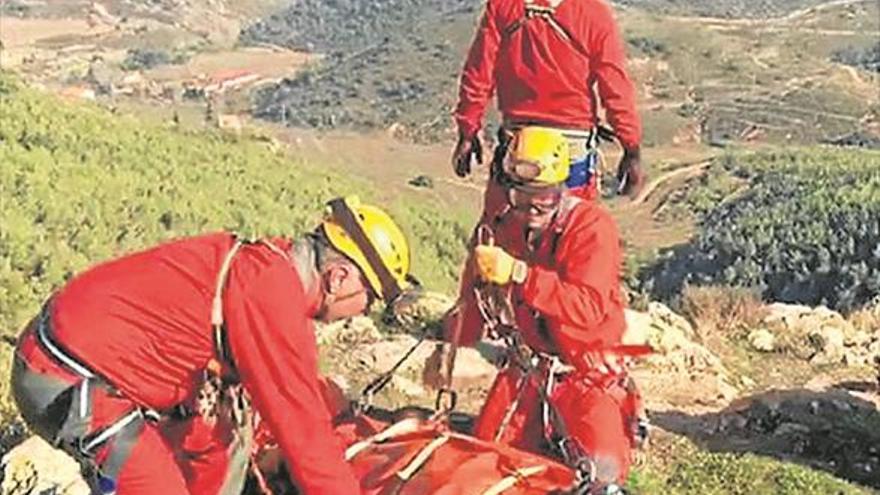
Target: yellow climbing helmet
[[538, 156], [370, 238]]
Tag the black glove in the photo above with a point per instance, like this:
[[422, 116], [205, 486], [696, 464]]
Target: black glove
[[630, 175], [467, 148]]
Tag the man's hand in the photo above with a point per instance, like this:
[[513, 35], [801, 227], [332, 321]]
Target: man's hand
[[467, 148], [630, 176], [497, 266]]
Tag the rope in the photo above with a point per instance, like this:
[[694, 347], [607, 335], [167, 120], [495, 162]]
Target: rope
[[380, 382]]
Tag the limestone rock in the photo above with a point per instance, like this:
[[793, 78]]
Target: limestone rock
[[682, 371], [34, 467], [352, 331], [762, 340]]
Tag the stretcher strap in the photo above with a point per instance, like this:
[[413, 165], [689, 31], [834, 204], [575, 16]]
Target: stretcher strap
[[510, 481], [422, 457], [402, 427], [222, 275]]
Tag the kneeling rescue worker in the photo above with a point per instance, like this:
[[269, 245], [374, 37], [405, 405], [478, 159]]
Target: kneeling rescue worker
[[124, 344], [545, 276]]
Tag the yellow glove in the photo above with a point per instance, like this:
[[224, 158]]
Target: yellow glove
[[498, 267]]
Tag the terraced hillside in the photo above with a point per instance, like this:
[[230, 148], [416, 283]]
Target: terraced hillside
[[700, 79], [739, 9]]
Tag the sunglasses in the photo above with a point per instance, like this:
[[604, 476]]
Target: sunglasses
[[534, 200]]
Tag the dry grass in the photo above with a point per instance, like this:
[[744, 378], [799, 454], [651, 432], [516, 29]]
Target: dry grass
[[866, 319], [723, 312]]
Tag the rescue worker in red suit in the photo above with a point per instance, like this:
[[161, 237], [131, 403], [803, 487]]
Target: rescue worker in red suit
[[123, 344], [547, 60], [557, 257]]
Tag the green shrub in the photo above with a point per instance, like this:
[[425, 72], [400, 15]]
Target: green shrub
[[681, 468], [79, 186], [143, 59], [867, 58], [806, 230]]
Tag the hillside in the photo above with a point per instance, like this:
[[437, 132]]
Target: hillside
[[729, 9], [707, 80], [744, 209], [84, 185]]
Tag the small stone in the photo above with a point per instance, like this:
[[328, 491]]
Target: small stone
[[762, 340], [422, 181], [747, 382]]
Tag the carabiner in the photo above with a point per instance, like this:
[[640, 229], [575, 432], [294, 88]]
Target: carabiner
[[485, 235]]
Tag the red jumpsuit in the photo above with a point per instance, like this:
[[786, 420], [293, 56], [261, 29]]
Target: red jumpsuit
[[543, 78], [143, 323], [570, 303]]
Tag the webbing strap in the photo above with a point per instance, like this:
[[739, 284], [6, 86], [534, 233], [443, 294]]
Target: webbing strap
[[112, 430], [222, 275], [546, 11], [217, 320], [124, 442], [402, 427], [422, 457], [510, 481]]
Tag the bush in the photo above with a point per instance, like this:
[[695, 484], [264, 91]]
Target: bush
[[721, 311], [867, 58], [144, 59], [648, 47], [806, 230]]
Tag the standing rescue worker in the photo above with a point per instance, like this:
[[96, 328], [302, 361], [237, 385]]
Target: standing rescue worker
[[544, 58], [546, 274], [122, 345]]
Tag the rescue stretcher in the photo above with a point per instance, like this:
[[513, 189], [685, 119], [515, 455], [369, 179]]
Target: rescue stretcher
[[418, 456]]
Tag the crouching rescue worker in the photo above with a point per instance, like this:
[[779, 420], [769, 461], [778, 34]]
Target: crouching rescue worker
[[545, 276], [124, 344]]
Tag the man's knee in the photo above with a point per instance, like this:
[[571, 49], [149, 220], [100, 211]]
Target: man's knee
[[149, 468]]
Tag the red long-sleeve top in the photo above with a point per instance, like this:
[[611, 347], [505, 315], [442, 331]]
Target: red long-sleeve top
[[543, 78], [143, 322], [571, 301]]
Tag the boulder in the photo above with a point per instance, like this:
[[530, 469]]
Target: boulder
[[821, 335], [35, 468], [681, 371]]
